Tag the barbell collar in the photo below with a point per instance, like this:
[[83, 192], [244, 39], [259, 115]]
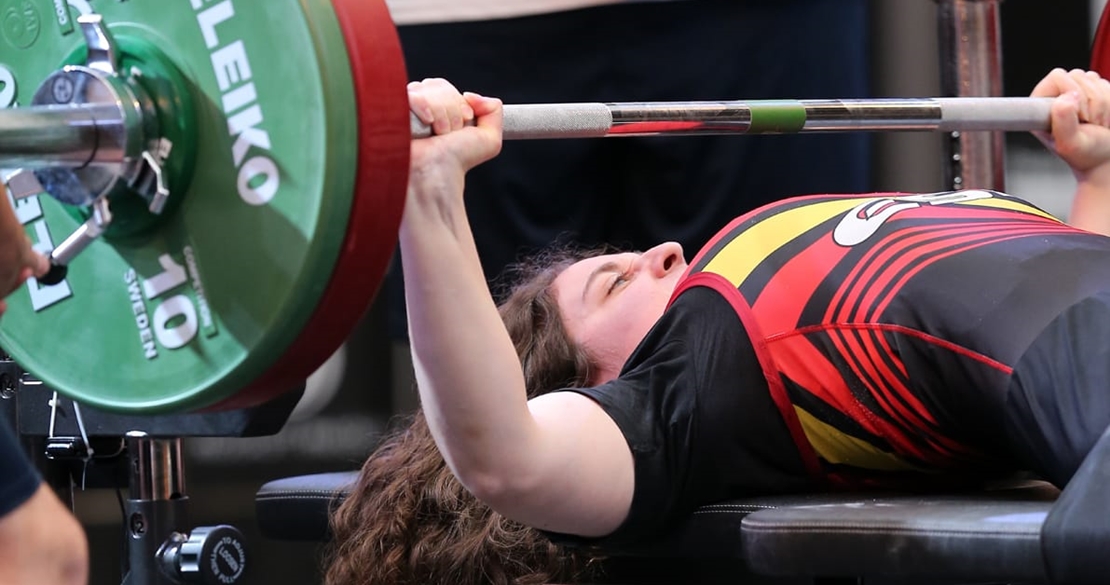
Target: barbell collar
[[103, 52], [595, 120]]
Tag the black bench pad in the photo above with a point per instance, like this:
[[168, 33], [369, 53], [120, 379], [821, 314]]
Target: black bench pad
[[297, 508], [991, 535]]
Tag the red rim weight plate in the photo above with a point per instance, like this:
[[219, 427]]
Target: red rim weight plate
[[191, 313], [377, 64], [1100, 49]]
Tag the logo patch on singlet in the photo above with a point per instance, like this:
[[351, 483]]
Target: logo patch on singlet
[[863, 220]]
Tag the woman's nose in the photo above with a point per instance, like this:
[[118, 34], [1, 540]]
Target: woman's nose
[[664, 258]]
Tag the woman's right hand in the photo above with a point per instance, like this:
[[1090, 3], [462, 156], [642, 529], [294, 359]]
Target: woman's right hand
[[466, 131]]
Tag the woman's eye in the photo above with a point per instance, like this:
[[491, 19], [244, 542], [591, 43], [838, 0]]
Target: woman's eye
[[620, 278]]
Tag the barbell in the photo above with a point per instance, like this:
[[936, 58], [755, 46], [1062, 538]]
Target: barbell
[[219, 184]]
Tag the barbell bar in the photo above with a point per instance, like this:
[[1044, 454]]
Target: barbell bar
[[40, 136], [227, 224], [599, 120]]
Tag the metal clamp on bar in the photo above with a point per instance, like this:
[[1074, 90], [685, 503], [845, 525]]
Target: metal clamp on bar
[[86, 141]]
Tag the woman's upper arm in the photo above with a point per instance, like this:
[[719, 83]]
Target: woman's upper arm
[[581, 481]]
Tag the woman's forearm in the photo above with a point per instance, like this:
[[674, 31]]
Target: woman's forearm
[[469, 377], [1090, 208], [558, 462]]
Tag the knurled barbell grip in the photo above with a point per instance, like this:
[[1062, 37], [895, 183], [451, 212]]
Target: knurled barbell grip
[[528, 121], [1002, 114]]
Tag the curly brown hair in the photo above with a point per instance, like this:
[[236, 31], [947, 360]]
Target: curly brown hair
[[407, 520]]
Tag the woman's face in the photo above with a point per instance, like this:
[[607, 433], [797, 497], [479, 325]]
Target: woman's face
[[610, 302]]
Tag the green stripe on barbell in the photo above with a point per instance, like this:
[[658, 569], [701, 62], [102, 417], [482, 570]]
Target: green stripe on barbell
[[784, 116]]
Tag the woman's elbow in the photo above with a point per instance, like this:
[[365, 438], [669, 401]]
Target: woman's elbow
[[485, 484], [495, 486]]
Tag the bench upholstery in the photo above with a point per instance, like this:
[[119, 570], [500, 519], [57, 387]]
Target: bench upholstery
[[989, 535]]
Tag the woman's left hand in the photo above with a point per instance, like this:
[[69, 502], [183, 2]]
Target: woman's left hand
[[1080, 133]]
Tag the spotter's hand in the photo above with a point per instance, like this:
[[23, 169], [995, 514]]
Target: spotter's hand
[[18, 260]]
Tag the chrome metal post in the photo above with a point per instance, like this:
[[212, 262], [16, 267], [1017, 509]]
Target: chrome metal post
[[156, 468], [156, 505], [971, 66], [161, 551]]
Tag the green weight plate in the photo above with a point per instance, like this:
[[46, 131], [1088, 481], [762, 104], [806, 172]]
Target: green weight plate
[[183, 315]]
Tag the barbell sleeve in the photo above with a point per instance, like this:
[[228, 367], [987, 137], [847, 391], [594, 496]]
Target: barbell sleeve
[[53, 136], [595, 120]]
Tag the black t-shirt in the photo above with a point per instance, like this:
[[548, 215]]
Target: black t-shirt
[[18, 479], [713, 444]]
